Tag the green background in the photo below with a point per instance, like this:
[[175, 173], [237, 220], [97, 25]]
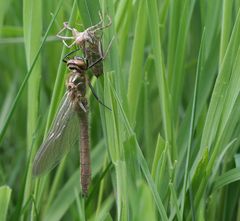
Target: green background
[[169, 150]]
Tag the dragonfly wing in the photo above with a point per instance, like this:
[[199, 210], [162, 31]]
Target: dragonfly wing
[[63, 134]]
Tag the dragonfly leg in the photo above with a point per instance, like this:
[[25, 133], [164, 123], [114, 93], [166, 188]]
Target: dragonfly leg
[[94, 27], [69, 46], [71, 52], [98, 28], [95, 95], [64, 38], [82, 106], [65, 26], [109, 45]]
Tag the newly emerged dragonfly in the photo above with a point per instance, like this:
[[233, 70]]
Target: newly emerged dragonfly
[[72, 113], [89, 41]]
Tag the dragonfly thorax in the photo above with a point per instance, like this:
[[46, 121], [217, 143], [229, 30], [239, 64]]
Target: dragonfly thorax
[[76, 85]]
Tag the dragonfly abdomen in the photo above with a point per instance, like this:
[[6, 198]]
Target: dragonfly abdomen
[[84, 149]]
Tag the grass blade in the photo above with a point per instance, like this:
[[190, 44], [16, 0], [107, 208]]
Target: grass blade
[[5, 195]]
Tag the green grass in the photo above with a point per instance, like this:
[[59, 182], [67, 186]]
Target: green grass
[[168, 150]]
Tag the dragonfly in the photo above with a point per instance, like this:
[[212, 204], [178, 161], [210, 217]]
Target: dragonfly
[[71, 117], [89, 41]]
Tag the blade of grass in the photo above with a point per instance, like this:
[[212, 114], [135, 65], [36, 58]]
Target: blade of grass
[[112, 120], [121, 13], [19, 93], [226, 28], [216, 103], [32, 26], [136, 66], [7, 103], [123, 20], [160, 69], [178, 75], [230, 176], [89, 11], [230, 100], [142, 161], [3, 10], [157, 155], [64, 198], [105, 209], [5, 195], [191, 129], [175, 201], [32, 29], [80, 206], [237, 160]]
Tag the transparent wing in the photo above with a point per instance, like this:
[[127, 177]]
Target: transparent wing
[[63, 134]]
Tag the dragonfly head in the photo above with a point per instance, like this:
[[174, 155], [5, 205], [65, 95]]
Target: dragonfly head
[[77, 64]]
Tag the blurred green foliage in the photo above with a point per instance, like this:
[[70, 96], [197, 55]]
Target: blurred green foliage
[[169, 150]]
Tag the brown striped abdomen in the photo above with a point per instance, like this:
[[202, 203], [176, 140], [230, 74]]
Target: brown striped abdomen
[[84, 149]]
